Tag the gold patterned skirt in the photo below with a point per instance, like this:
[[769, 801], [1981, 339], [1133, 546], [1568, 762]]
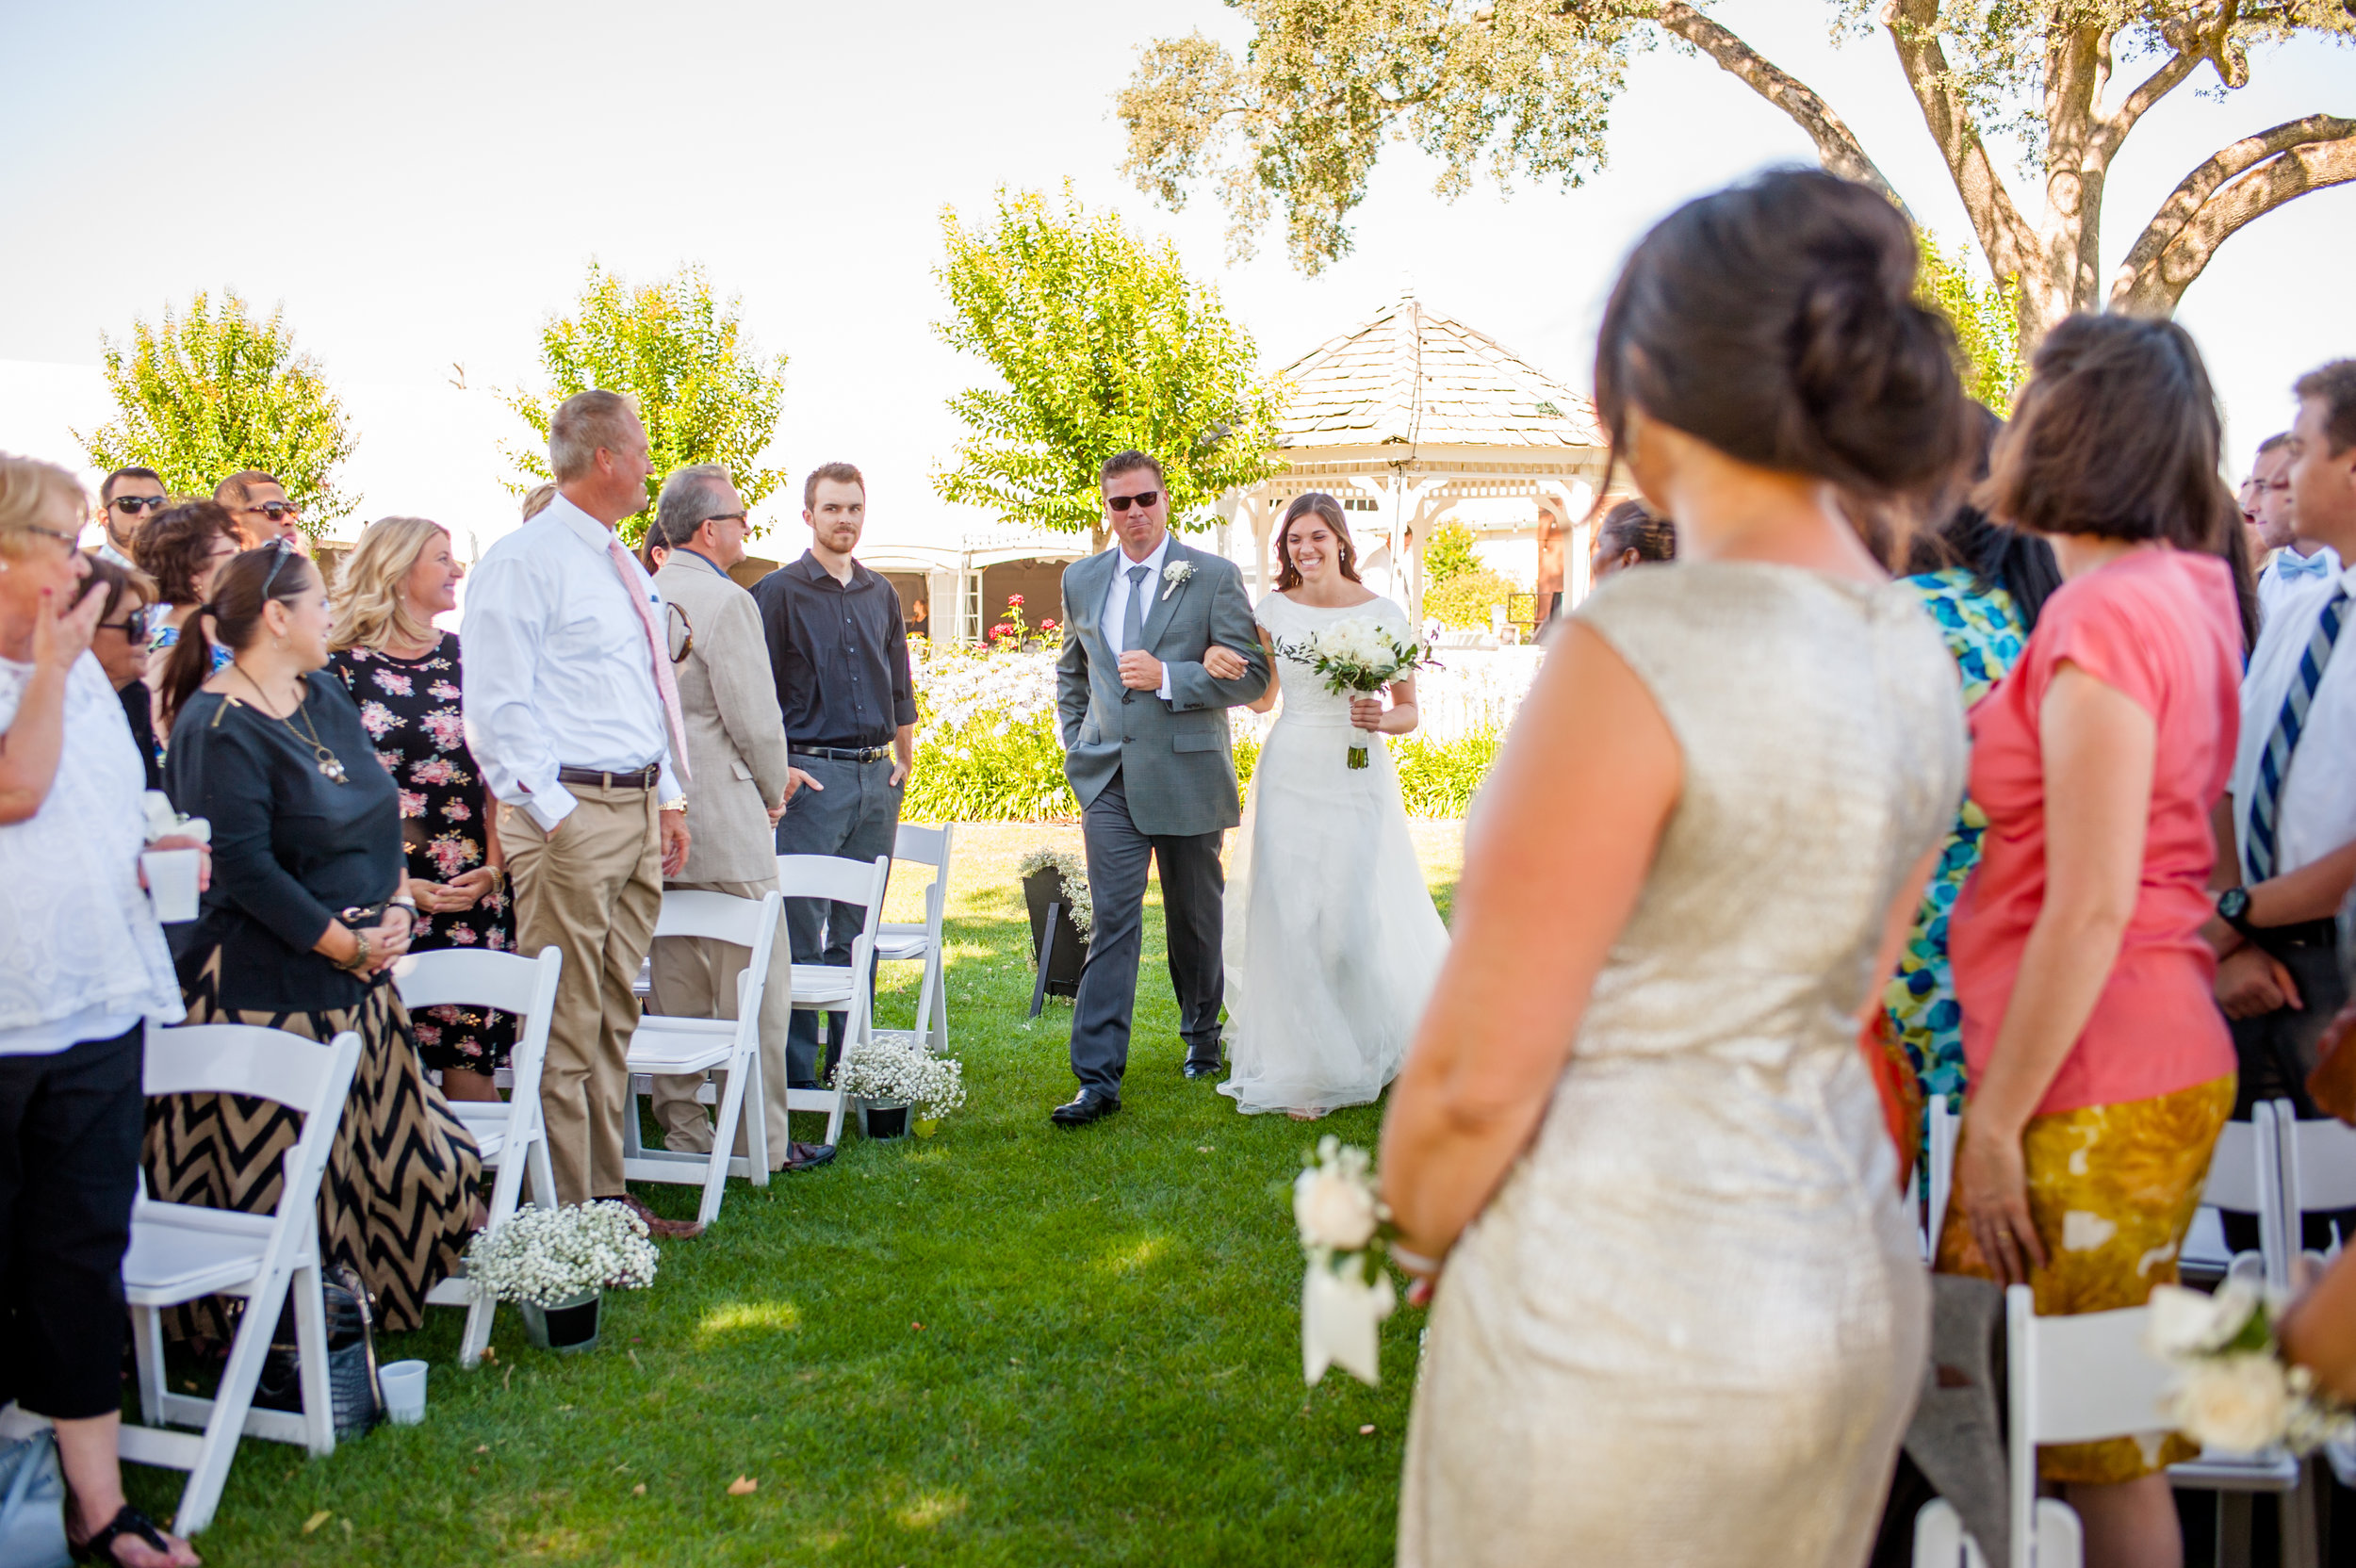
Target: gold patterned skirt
[[402, 1179], [2112, 1192]]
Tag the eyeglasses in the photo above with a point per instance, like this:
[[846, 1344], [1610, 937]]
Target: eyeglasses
[[724, 518], [68, 540], [131, 506], [1142, 500], [132, 626], [275, 510], [682, 634]]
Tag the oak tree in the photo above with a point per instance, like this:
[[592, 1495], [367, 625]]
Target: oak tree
[[1527, 86]]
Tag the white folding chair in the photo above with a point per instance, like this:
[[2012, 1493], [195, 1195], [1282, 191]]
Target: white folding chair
[[2245, 1177], [663, 1044], [2080, 1379], [902, 942], [508, 1134], [1943, 1128], [2318, 1170], [831, 988], [180, 1252]]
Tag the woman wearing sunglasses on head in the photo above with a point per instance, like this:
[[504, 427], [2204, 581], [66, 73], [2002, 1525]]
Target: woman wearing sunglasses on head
[[298, 932]]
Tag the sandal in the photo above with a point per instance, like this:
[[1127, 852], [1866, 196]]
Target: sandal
[[100, 1548]]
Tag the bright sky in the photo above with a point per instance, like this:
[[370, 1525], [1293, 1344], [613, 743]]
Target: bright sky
[[420, 184]]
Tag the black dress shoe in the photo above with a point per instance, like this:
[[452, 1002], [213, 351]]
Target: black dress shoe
[[1086, 1107], [1205, 1070]]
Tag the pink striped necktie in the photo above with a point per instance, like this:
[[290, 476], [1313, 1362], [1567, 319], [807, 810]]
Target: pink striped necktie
[[665, 687]]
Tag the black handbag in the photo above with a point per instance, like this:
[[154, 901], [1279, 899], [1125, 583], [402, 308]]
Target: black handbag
[[354, 1395]]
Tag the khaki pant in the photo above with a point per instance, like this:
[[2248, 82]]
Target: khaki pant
[[696, 977], [593, 888]]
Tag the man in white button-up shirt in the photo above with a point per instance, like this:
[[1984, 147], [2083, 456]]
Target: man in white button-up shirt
[[2278, 979], [570, 719]]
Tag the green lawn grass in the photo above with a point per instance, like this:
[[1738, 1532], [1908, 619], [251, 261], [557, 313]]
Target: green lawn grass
[[1006, 1344]]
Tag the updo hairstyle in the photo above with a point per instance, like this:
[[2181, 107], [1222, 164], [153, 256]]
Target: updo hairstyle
[[1777, 321]]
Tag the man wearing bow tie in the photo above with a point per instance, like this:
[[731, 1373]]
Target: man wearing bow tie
[[2293, 799], [2268, 509]]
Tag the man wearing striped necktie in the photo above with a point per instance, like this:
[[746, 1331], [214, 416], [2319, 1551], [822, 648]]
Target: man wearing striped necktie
[[2293, 789]]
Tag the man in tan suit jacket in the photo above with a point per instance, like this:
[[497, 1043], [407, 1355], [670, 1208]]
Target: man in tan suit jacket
[[740, 784]]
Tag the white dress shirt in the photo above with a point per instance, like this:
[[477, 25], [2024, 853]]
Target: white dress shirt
[[2273, 586], [1117, 599], [558, 673], [2316, 813]]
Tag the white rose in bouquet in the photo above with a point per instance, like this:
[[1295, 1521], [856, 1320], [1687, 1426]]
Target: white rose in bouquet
[[1333, 1210], [2240, 1403]]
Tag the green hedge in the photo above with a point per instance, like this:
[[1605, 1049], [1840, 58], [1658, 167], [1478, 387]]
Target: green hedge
[[1003, 768]]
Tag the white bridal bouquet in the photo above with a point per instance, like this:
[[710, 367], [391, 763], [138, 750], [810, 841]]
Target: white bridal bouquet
[[885, 1072], [550, 1257], [2233, 1390], [1346, 1294], [1356, 655]]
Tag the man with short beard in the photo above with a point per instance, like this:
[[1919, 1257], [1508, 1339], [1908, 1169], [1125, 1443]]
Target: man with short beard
[[259, 503], [838, 652], [125, 501]]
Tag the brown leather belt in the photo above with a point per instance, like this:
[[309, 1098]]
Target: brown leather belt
[[637, 778]]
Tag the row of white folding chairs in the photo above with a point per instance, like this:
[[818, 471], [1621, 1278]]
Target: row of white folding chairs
[[2071, 1379], [666, 1045]]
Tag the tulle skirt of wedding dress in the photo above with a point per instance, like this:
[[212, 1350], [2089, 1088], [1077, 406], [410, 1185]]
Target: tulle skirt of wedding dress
[[1331, 942]]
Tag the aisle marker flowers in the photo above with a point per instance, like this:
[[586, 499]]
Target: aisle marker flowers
[[2233, 1390], [1356, 655], [883, 1072], [1345, 1230], [550, 1257]]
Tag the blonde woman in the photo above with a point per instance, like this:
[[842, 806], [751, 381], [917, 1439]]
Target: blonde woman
[[404, 674]]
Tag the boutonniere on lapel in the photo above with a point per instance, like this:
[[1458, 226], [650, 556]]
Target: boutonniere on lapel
[[1174, 575]]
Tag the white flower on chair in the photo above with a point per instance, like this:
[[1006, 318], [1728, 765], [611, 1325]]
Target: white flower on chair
[[1175, 573]]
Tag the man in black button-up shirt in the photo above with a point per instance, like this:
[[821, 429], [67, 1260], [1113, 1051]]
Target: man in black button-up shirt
[[840, 658]]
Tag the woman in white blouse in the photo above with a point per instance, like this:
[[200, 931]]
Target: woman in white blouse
[[87, 966]]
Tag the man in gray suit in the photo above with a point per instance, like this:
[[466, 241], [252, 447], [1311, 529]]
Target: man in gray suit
[[1144, 728], [740, 784]]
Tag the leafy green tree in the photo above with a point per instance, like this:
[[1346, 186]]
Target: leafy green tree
[[1527, 86], [1449, 553], [704, 392], [1987, 319], [1102, 344], [213, 391]]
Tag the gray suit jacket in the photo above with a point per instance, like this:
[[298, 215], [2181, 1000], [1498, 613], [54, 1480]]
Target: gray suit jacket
[[1176, 767], [735, 736]]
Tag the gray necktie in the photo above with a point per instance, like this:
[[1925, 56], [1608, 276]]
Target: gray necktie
[[1132, 620]]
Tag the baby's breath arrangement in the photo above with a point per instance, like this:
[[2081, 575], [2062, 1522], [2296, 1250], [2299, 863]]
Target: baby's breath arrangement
[[884, 1072], [549, 1256], [1082, 903]]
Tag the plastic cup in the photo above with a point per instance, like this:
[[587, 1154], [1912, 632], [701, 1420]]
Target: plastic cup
[[404, 1383], [172, 881]]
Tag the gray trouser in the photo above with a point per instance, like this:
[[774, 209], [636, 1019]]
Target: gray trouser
[[855, 816], [1193, 884]]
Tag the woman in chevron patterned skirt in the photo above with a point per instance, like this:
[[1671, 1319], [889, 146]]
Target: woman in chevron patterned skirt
[[298, 932]]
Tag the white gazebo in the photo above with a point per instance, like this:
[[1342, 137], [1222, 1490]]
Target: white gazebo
[[1414, 412]]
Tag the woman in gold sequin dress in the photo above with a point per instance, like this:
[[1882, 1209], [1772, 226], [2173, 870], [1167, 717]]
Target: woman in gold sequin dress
[[1680, 1313]]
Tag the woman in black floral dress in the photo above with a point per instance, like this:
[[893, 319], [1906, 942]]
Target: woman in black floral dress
[[404, 674]]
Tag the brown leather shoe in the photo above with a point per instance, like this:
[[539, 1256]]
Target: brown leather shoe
[[669, 1229]]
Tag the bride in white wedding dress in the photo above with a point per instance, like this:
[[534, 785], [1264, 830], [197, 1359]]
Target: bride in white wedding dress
[[1332, 940]]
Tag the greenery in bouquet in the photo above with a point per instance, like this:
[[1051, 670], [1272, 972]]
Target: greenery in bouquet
[[884, 1072], [549, 1256], [1079, 901]]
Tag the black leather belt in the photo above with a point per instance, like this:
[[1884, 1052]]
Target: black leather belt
[[637, 778], [845, 754]]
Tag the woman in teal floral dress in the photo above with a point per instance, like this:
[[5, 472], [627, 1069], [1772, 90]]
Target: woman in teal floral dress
[[1984, 584]]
